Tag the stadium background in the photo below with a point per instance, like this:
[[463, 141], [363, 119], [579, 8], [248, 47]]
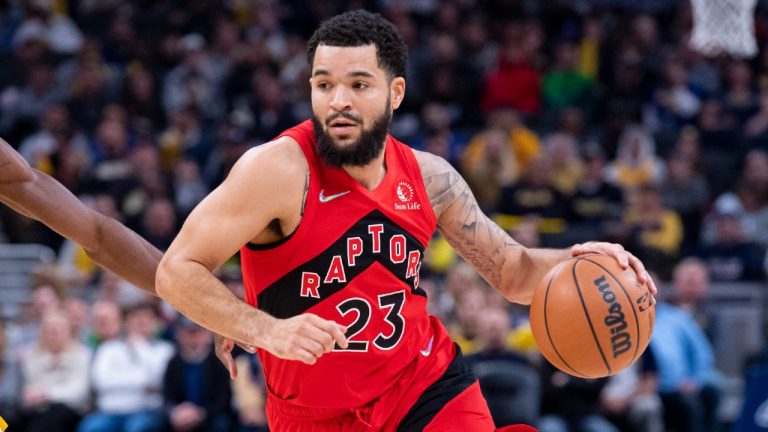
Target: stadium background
[[571, 120]]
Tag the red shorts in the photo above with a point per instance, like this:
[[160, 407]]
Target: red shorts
[[453, 403], [466, 412]]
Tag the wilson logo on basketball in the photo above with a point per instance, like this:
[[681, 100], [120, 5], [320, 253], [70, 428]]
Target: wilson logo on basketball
[[620, 339], [404, 192]]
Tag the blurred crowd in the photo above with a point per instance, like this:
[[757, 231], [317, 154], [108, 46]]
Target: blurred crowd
[[571, 120]]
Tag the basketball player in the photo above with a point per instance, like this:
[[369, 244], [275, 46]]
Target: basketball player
[[108, 242], [332, 218]]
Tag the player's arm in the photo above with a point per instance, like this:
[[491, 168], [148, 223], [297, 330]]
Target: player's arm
[[13, 167], [265, 185], [109, 243], [509, 267]]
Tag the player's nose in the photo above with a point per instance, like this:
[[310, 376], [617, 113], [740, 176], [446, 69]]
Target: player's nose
[[341, 101]]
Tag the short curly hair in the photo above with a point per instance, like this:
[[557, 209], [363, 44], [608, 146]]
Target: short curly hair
[[359, 28]]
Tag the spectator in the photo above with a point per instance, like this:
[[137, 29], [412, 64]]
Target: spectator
[[195, 387], [687, 193], [740, 98], [565, 85], [56, 131], [470, 304], [54, 378], [195, 82], [690, 280], [630, 398], [595, 203], [105, 323], [566, 164], [77, 311], [189, 186], [58, 31], [686, 372], [159, 226], [636, 163], [756, 126], [25, 105], [494, 170], [675, 103], [140, 97], [509, 383], [654, 232], [250, 394], [533, 195], [46, 299], [523, 142], [570, 403], [185, 136], [515, 83], [130, 401], [732, 256]]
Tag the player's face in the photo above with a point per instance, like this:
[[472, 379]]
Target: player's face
[[352, 101]]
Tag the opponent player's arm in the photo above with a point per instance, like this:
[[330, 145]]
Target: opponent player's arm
[[109, 243], [13, 167], [265, 185], [509, 267]]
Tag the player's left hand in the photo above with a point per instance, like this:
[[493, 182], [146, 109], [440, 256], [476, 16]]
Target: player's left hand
[[624, 258], [224, 349]]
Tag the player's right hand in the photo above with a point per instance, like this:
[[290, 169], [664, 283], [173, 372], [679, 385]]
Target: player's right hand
[[305, 337]]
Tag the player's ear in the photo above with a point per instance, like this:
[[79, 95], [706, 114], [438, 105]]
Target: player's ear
[[397, 91]]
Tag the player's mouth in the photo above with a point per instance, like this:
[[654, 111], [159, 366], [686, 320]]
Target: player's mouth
[[342, 126]]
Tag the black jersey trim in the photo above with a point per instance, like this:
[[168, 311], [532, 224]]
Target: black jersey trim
[[281, 299], [268, 246], [456, 378]]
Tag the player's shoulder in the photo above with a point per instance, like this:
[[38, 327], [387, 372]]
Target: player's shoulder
[[431, 164], [279, 160]]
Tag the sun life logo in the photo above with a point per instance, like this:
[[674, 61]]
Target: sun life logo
[[404, 192]]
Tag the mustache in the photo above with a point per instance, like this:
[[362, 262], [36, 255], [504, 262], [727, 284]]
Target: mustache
[[344, 115]]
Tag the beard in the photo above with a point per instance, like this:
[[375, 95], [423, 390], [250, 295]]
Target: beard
[[359, 153]]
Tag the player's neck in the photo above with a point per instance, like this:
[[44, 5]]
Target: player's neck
[[371, 174]]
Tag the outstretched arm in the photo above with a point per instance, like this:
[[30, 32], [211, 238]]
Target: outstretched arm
[[509, 267], [108, 242]]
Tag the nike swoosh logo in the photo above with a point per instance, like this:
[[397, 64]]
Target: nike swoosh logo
[[325, 199], [426, 352]]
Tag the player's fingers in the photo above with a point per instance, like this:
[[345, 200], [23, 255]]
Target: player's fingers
[[306, 357], [639, 268], [621, 255], [248, 348], [321, 335], [332, 328], [651, 285], [338, 333], [224, 353], [231, 366], [312, 345]]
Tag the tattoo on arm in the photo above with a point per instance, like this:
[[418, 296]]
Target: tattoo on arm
[[475, 237], [306, 192]]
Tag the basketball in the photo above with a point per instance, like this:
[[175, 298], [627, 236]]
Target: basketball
[[590, 318]]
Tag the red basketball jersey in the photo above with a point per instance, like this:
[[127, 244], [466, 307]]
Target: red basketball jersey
[[353, 259]]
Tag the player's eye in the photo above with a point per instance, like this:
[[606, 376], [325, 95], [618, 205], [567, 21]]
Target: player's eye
[[324, 85], [359, 85]]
